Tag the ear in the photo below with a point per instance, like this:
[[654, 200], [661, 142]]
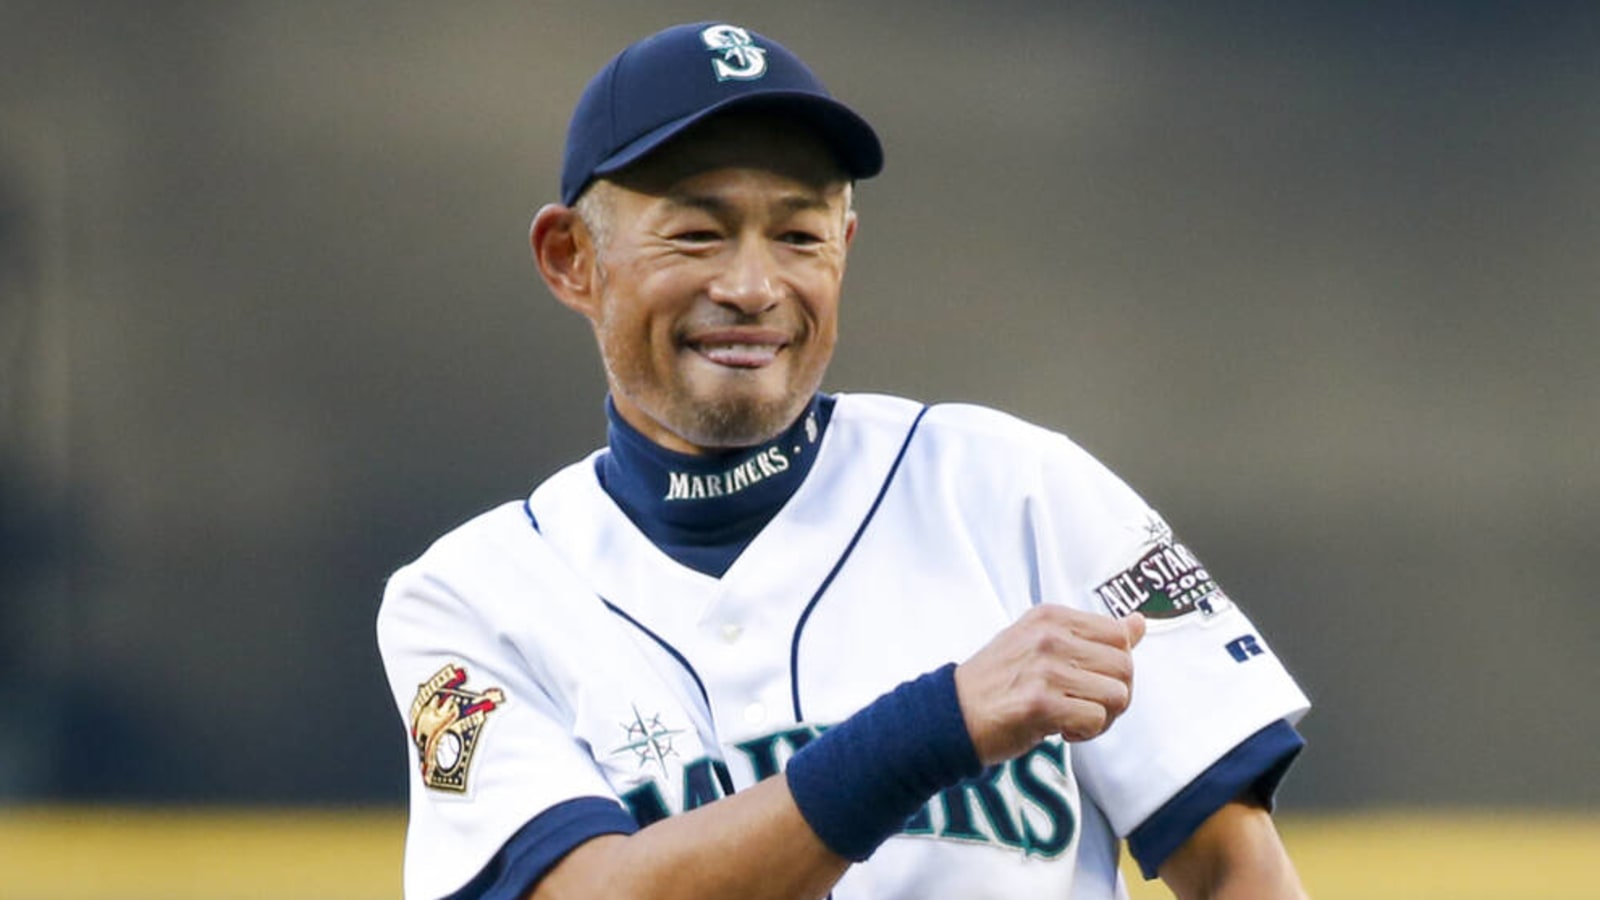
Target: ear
[[564, 251], [850, 221]]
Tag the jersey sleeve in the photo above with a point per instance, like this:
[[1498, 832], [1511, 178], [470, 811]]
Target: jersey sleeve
[[1213, 707], [500, 788]]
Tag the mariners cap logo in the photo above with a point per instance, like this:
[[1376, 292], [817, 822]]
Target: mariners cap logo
[[446, 723], [738, 58]]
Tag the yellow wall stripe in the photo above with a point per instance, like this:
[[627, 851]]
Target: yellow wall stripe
[[79, 853]]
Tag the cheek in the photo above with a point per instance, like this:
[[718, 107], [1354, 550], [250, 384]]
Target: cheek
[[634, 337], [822, 307], [630, 352], [827, 336]]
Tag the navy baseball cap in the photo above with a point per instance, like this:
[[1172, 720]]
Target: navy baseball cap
[[655, 89]]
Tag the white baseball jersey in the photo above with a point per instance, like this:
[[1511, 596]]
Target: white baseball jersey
[[554, 666]]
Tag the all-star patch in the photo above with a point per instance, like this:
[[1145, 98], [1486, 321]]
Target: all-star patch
[[446, 723], [1167, 582]]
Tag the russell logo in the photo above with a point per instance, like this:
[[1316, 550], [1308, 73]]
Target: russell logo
[[1243, 647]]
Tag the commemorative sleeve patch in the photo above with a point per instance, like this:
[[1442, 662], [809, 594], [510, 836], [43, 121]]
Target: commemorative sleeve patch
[[1164, 583], [446, 723]]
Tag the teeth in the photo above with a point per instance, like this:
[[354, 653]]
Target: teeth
[[739, 354]]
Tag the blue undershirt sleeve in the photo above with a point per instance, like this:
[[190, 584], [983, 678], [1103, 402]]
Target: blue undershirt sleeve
[[1250, 770], [543, 842]]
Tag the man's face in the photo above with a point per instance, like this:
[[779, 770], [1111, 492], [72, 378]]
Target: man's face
[[717, 282]]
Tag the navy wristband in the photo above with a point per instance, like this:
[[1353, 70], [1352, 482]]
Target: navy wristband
[[859, 782]]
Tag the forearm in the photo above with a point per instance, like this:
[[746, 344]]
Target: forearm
[[792, 836], [847, 791], [753, 844], [1236, 854]]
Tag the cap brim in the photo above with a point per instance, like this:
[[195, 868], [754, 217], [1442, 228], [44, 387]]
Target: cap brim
[[851, 139]]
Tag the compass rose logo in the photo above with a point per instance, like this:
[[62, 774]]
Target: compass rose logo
[[648, 739]]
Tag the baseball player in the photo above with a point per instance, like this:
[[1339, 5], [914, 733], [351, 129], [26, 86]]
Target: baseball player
[[775, 642]]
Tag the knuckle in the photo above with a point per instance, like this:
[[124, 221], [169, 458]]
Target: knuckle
[[1087, 722], [1119, 701], [1052, 615], [1036, 706], [1047, 643], [1121, 667], [1034, 615]]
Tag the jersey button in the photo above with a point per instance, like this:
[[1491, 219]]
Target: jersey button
[[731, 632], [755, 714]]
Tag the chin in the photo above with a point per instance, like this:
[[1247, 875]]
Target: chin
[[739, 421]]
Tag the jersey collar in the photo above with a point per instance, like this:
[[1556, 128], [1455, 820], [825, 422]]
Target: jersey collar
[[703, 510]]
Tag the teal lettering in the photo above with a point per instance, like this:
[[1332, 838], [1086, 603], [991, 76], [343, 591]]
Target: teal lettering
[[1056, 809], [646, 804], [957, 815], [763, 751], [763, 755], [958, 811], [920, 823], [705, 780]]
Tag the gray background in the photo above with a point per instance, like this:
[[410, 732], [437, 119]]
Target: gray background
[[1319, 280]]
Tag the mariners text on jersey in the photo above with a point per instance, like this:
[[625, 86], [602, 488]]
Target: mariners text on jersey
[[1022, 804], [690, 486]]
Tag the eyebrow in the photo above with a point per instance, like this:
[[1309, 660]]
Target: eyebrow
[[719, 207]]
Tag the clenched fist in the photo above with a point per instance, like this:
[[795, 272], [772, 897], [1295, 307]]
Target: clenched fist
[[1054, 671]]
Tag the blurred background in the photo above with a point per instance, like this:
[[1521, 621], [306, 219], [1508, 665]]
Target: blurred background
[[1318, 279]]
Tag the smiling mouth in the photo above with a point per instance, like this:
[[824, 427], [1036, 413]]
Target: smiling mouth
[[738, 350], [738, 356]]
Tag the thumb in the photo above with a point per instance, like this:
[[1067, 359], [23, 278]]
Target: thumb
[[1136, 626]]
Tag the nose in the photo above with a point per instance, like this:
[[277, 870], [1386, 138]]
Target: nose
[[750, 281]]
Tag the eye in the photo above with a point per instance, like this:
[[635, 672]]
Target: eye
[[800, 238], [697, 236]]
